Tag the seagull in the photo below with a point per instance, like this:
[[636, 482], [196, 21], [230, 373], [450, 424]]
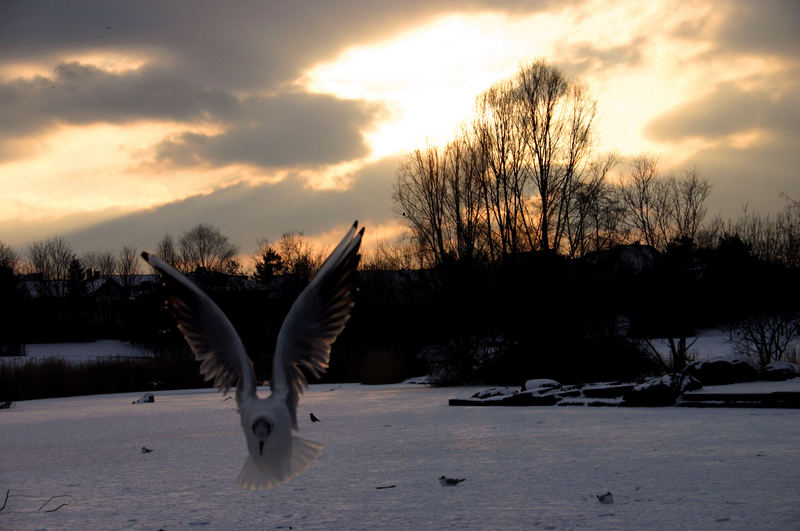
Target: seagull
[[313, 417], [313, 323], [605, 498], [449, 482]]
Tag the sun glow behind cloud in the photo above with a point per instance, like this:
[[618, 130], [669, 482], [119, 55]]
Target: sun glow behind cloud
[[97, 167], [428, 78]]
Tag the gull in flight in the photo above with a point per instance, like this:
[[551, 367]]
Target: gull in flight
[[313, 323]]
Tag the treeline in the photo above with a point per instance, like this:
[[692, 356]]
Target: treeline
[[522, 176], [527, 256]]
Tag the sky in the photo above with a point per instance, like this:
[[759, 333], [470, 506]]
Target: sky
[[122, 121]]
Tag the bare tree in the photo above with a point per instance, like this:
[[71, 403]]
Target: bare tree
[[128, 265], [205, 247], [767, 337], [646, 198], [50, 259], [688, 194], [99, 263], [557, 117], [501, 144], [388, 256], [166, 251], [659, 209], [679, 353], [463, 198], [775, 238], [438, 194], [594, 211], [9, 260], [299, 257], [419, 195]]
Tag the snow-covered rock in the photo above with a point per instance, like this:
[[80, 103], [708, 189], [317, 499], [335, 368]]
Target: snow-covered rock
[[778, 371], [606, 390], [146, 398], [661, 391], [493, 392], [419, 380], [541, 385], [720, 370]]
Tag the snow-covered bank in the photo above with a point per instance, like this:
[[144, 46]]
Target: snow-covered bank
[[85, 351], [532, 468]]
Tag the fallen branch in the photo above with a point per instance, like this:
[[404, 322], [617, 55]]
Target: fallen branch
[[57, 508], [6, 500]]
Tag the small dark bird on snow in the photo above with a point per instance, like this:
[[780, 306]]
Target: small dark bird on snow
[[605, 498], [449, 482], [146, 450], [313, 418]]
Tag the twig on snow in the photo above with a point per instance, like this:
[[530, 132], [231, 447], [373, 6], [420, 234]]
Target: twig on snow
[[57, 508]]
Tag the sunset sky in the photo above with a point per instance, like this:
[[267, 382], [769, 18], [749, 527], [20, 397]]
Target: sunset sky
[[122, 121]]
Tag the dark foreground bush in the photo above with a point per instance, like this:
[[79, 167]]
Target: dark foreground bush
[[55, 377]]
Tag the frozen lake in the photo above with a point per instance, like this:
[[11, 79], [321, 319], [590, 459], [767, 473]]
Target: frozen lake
[[532, 468]]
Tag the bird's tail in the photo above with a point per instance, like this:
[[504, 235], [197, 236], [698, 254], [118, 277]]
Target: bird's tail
[[265, 474]]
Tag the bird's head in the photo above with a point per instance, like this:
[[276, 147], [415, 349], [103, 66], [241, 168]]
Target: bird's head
[[262, 427]]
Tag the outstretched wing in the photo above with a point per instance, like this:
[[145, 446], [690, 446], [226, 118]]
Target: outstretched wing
[[315, 320], [208, 332]]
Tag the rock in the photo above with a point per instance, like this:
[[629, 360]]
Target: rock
[[419, 380], [690, 383], [661, 391], [611, 390], [778, 371], [541, 385], [606, 498], [529, 398], [721, 370], [146, 398], [494, 392]]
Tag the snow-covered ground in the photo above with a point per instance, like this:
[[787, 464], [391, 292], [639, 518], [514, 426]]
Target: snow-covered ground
[[100, 349], [527, 467]]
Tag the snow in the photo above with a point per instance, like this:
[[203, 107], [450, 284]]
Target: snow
[[103, 348], [526, 467], [787, 386], [541, 385]]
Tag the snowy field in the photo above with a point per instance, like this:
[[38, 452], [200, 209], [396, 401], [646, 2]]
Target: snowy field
[[525, 468]]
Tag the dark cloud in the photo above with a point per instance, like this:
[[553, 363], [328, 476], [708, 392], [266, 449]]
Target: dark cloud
[[730, 110], [81, 94], [590, 56], [761, 27], [204, 59], [285, 130], [246, 213], [279, 130], [229, 45], [755, 175]]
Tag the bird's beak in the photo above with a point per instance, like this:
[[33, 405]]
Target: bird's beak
[[260, 447]]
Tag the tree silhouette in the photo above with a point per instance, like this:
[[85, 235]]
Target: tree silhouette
[[205, 247], [267, 263]]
